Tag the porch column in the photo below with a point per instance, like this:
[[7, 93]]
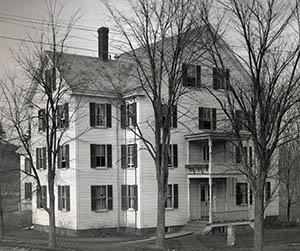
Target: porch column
[[210, 181]]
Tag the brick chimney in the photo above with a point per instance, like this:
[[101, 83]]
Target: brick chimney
[[103, 43]]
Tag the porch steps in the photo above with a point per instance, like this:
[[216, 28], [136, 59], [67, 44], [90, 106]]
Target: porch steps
[[197, 227]]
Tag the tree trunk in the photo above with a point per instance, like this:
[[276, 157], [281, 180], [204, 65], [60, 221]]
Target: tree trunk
[[259, 221], [160, 230], [288, 211], [52, 236]]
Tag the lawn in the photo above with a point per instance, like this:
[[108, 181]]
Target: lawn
[[275, 240]]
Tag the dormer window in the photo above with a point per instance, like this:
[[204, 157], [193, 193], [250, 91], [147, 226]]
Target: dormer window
[[221, 78], [191, 75]]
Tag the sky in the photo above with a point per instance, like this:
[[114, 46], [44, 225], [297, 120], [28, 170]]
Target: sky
[[16, 18]]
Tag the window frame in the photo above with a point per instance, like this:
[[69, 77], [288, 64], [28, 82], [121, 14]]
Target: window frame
[[62, 116], [243, 189], [43, 199], [129, 194], [41, 120], [28, 194], [207, 116], [172, 197], [108, 198], [191, 75], [64, 198], [107, 155]]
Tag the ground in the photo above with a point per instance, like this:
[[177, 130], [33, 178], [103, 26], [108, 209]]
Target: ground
[[275, 239]]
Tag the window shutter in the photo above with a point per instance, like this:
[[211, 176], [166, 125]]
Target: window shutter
[[109, 155], [175, 195], [44, 157], [198, 80], [134, 114], [237, 155], [110, 197], [59, 156], [184, 74], [200, 115], [92, 115], [37, 158], [215, 79], [93, 198], [175, 155], [53, 79], [174, 116], [44, 195], [58, 116], [123, 116], [135, 156], [59, 198], [160, 153], [38, 197], [123, 156], [66, 111], [250, 156], [124, 197], [268, 191], [135, 206], [238, 118], [93, 155], [227, 81], [108, 115], [238, 195], [67, 155], [251, 197], [214, 118], [68, 208]]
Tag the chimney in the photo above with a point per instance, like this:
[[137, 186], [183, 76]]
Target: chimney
[[103, 43]]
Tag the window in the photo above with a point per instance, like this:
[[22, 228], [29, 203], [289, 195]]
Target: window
[[28, 191], [63, 116], [41, 158], [101, 198], [173, 115], [129, 156], [172, 196], [241, 121], [41, 196], [241, 194], [191, 75], [221, 78], [173, 156], [64, 198], [100, 115], [268, 191], [63, 156], [101, 156], [207, 118], [50, 78], [27, 166], [128, 115], [205, 152], [238, 156], [129, 197], [42, 120]]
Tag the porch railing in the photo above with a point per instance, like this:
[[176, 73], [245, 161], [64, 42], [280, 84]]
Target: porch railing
[[197, 168], [228, 216]]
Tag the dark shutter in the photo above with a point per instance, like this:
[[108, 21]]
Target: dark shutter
[[238, 118], [44, 157], [108, 115], [92, 115], [93, 155], [268, 191], [200, 116], [48, 78], [215, 79], [93, 198], [124, 194], [238, 194], [135, 156], [251, 197], [58, 116], [198, 81], [160, 153], [175, 195], [123, 156], [135, 206], [174, 114], [37, 158], [123, 116], [67, 189], [66, 111], [44, 195], [227, 82], [134, 114], [59, 198], [53, 79], [237, 155], [184, 74], [38, 197], [250, 156], [175, 155], [109, 155], [110, 197], [59, 156], [214, 118], [67, 155]]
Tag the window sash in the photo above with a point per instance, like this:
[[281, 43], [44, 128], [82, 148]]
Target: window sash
[[100, 155], [100, 114]]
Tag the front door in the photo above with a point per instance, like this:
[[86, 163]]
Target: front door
[[204, 201]]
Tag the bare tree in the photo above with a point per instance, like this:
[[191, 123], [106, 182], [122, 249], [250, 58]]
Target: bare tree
[[158, 38], [265, 38], [47, 94]]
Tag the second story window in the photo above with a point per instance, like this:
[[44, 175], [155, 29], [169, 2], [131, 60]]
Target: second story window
[[129, 156], [101, 156], [207, 118], [100, 115], [173, 116], [128, 115], [191, 75], [63, 116], [41, 158], [240, 120], [221, 78], [63, 156], [41, 120], [27, 166], [50, 78]]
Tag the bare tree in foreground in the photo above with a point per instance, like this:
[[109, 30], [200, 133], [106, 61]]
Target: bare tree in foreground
[[46, 97], [159, 37], [266, 39]]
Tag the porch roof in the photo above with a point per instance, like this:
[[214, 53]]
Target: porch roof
[[215, 135]]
